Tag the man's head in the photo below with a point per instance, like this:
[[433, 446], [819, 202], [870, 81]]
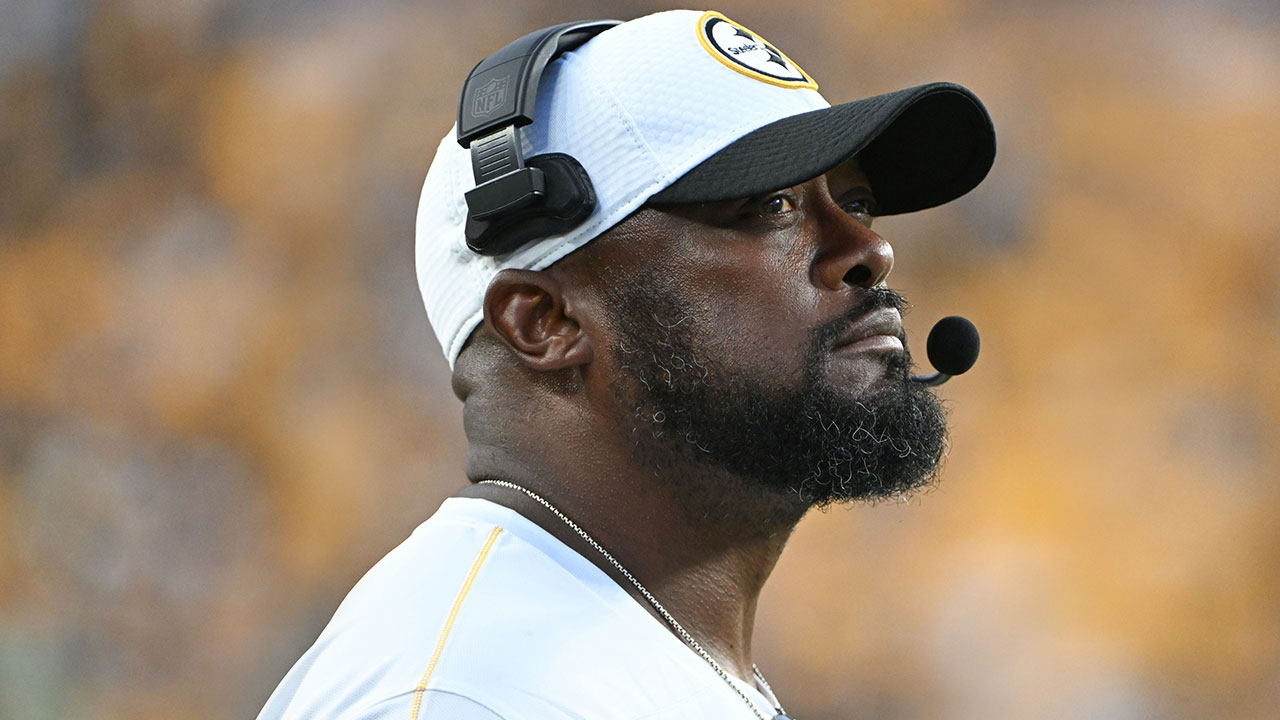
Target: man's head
[[725, 308]]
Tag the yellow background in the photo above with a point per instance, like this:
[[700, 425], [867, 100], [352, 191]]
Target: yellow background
[[220, 401]]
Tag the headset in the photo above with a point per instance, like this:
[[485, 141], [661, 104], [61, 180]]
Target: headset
[[517, 201]]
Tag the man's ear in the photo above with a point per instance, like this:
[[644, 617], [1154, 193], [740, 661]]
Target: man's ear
[[525, 309]]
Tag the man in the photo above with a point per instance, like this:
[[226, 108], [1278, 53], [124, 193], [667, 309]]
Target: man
[[655, 396]]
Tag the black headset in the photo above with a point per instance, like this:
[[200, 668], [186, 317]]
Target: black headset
[[517, 201]]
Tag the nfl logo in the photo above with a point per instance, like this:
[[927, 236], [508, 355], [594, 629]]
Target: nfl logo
[[489, 97]]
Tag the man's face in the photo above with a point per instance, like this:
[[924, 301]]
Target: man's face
[[757, 337]]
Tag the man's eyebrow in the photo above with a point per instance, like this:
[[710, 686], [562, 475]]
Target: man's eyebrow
[[862, 187]]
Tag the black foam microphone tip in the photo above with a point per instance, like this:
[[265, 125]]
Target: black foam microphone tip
[[953, 345]]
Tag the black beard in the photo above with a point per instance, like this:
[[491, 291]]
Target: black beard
[[807, 446]]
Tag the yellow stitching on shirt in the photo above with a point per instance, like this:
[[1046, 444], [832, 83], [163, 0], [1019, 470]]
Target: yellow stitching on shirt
[[448, 624]]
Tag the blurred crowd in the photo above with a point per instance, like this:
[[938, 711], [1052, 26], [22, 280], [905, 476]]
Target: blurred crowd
[[221, 402]]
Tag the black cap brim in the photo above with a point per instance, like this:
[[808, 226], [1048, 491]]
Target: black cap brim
[[920, 147]]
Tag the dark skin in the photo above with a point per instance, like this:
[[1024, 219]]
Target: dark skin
[[539, 381]]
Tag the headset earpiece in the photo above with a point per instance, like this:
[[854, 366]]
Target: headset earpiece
[[567, 201]]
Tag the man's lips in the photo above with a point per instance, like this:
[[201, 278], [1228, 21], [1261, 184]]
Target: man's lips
[[879, 330]]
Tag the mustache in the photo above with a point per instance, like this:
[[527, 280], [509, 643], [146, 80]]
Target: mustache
[[824, 336]]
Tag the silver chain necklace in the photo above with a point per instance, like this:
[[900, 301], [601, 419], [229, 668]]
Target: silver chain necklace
[[679, 629]]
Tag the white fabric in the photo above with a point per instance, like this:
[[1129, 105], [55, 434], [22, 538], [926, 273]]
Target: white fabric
[[439, 705], [542, 633], [638, 106]]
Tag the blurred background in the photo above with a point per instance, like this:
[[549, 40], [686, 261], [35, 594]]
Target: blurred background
[[221, 403]]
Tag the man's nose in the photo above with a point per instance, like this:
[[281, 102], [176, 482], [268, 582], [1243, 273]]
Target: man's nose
[[850, 254]]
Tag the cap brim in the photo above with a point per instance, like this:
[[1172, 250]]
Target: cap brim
[[920, 147]]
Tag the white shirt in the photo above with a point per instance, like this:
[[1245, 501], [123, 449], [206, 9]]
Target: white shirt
[[482, 615]]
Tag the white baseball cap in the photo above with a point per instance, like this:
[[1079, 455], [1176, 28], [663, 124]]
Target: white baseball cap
[[687, 106]]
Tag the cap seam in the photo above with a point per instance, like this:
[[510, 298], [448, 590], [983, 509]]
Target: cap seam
[[628, 121], [576, 239]]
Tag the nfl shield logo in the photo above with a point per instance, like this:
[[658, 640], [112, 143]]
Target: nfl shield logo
[[489, 97]]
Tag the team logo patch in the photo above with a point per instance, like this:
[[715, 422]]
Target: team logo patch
[[748, 53]]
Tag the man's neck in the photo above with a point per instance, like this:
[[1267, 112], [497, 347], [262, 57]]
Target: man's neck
[[706, 562]]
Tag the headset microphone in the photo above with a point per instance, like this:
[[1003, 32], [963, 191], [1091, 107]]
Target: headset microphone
[[952, 347]]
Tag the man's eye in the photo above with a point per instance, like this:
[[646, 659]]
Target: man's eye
[[862, 210], [777, 205]]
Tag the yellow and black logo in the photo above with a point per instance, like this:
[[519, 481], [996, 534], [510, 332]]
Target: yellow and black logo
[[748, 53]]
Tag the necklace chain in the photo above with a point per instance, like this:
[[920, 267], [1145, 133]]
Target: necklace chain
[[679, 629]]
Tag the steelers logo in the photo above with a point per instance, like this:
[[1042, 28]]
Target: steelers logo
[[748, 53]]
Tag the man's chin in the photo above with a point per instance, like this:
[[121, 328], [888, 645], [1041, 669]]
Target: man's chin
[[884, 443]]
